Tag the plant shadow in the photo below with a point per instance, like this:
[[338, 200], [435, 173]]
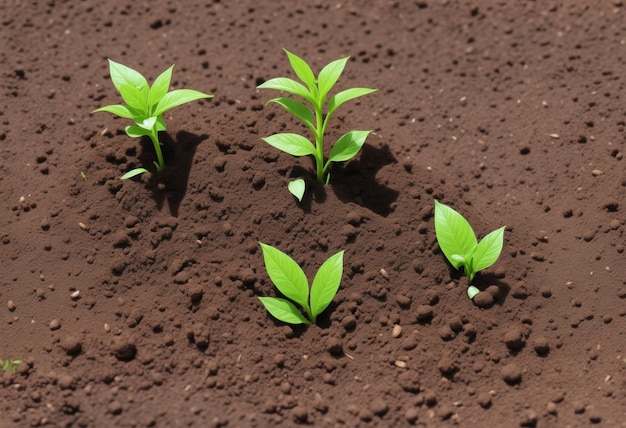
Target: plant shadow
[[171, 184], [356, 181]]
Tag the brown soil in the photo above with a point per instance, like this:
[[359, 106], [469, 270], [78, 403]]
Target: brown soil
[[512, 114]]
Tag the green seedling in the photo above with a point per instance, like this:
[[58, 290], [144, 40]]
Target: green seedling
[[10, 364], [459, 244], [145, 105], [315, 93], [291, 281]]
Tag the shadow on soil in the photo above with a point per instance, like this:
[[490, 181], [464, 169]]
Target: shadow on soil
[[178, 155], [354, 182]]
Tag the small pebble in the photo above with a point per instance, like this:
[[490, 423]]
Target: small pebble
[[546, 291], [11, 305], [348, 323], [424, 313], [397, 331], [483, 299], [514, 339], [55, 324], [511, 374], [379, 407], [541, 345]]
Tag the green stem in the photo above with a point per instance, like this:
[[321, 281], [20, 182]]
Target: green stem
[[319, 144], [160, 164]]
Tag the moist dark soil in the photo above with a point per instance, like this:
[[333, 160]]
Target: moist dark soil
[[134, 303]]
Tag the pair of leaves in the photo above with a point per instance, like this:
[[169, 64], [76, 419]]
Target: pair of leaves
[[291, 281], [315, 91], [458, 242], [296, 145]]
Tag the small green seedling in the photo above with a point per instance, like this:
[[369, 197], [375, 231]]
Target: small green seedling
[[291, 281], [146, 105], [459, 244], [315, 92], [10, 364]]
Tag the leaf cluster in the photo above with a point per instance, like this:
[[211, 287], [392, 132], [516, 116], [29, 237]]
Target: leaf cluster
[[146, 104], [315, 91], [291, 281], [459, 244]]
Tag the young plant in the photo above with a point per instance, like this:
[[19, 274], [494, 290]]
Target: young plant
[[10, 364], [291, 281], [459, 244], [145, 105], [315, 91]]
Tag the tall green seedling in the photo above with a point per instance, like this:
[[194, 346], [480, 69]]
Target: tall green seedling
[[315, 91], [145, 105], [458, 243], [291, 281]]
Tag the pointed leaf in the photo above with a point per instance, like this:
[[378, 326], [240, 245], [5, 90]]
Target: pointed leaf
[[288, 85], [123, 75], [286, 275], [297, 188], [454, 234], [329, 76], [296, 108], [326, 283], [293, 144], [347, 95], [488, 250], [302, 70], [159, 87], [348, 146], [134, 97], [118, 110], [133, 172], [176, 98], [283, 310], [148, 123]]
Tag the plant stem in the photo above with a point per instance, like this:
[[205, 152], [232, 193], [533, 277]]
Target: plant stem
[[319, 143], [154, 136]]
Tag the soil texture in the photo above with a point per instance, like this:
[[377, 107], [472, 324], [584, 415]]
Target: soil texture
[[134, 303]]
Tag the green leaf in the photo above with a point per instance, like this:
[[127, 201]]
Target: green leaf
[[133, 172], [297, 188], [348, 146], [118, 110], [293, 144], [347, 95], [488, 250], [159, 87], [326, 283], [122, 75], [296, 108], [176, 98], [286, 275], [134, 97], [454, 234], [288, 85], [136, 131], [283, 310], [472, 291], [329, 76], [303, 71], [148, 123]]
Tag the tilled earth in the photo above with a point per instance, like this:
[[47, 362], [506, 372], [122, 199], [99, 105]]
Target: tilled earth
[[134, 303]]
